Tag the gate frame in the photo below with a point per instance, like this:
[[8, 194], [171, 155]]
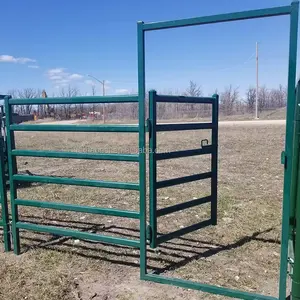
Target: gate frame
[[287, 226], [154, 156]]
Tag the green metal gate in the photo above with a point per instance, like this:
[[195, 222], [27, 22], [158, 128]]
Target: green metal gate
[[155, 156], [287, 226], [290, 159], [15, 178]]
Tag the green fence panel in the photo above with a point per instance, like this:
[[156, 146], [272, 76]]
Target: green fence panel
[[15, 178]]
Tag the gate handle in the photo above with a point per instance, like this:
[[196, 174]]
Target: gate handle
[[204, 143]]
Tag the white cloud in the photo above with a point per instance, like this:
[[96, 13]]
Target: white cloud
[[60, 76], [75, 76], [33, 66], [16, 60], [121, 91], [89, 82]]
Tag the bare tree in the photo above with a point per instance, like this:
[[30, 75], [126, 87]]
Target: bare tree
[[263, 99], [193, 91], [278, 97], [250, 99], [27, 93], [68, 93], [228, 100]]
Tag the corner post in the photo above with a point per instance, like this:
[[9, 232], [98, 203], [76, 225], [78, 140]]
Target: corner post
[[12, 169], [291, 101], [3, 193], [142, 148]]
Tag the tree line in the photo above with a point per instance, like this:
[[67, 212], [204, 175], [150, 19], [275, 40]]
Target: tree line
[[231, 102]]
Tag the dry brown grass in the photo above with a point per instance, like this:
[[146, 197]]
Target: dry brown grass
[[242, 251]]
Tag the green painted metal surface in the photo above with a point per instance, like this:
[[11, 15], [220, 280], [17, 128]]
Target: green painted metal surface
[[76, 128], [154, 156], [77, 234], [181, 127], [214, 160], [12, 169], [77, 155], [3, 195], [294, 243], [289, 141], [206, 288], [16, 178], [170, 209], [292, 11], [75, 100], [152, 169], [76, 181], [181, 180], [79, 208], [291, 201], [244, 15], [142, 146]]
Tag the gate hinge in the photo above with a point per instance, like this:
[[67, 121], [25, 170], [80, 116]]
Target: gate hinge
[[284, 159], [148, 124], [149, 233]]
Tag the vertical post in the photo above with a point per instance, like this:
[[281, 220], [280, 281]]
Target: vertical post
[[256, 95], [295, 292], [3, 194], [214, 160], [103, 93], [12, 169], [291, 101], [142, 148], [152, 169]]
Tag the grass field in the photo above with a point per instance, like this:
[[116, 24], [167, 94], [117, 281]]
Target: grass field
[[242, 251]]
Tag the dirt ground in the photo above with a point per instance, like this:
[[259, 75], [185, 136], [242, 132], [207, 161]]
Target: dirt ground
[[241, 252]]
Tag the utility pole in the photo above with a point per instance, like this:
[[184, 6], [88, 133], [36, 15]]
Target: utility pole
[[256, 98], [103, 93]]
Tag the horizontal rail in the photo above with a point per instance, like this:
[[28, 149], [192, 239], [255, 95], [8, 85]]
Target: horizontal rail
[[181, 206], [79, 208], [75, 155], [181, 180], [187, 284], [74, 100], [183, 99], [75, 128], [77, 181], [184, 126], [169, 236], [184, 153], [78, 234], [228, 17]]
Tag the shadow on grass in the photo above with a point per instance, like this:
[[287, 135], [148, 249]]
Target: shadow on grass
[[170, 255]]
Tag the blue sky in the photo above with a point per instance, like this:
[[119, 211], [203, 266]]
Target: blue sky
[[51, 44]]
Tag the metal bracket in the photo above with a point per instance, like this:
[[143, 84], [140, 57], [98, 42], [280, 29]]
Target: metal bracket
[[149, 127], [149, 233], [284, 159]]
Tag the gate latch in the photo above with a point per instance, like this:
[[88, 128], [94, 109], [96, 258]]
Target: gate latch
[[204, 143]]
